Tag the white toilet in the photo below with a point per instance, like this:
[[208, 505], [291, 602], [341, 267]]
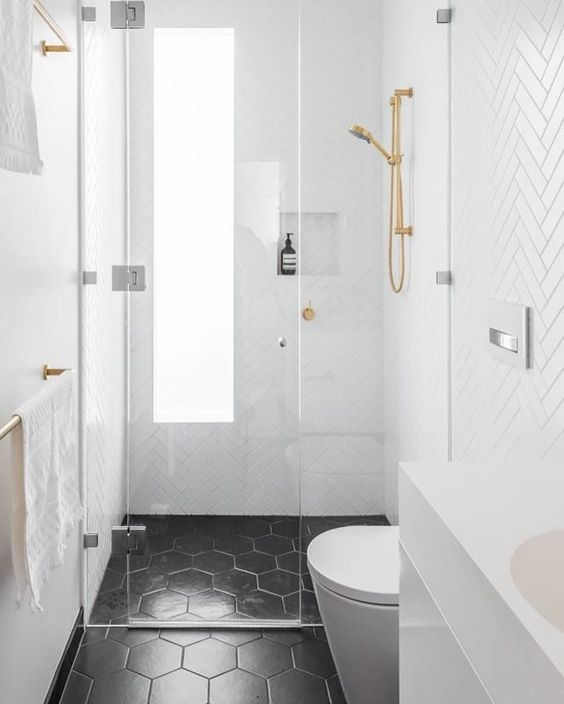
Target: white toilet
[[355, 572]]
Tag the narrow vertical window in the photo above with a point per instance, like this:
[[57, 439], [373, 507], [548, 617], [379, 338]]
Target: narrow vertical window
[[193, 225]]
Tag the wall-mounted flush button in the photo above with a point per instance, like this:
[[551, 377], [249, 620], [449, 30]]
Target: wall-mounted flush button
[[509, 333]]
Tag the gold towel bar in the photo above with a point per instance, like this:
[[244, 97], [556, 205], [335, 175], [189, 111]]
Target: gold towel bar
[[44, 14], [10, 425]]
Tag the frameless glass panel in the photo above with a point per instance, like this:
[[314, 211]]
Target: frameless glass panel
[[213, 447], [193, 225]]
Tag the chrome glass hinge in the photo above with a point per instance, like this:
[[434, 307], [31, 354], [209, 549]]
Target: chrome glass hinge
[[128, 277], [90, 540], [444, 16], [128, 540], [127, 15], [443, 278], [88, 14]]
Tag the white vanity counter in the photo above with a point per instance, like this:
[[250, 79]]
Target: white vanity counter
[[460, 524]]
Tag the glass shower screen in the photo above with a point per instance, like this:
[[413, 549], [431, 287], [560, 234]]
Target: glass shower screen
[[213, 471]]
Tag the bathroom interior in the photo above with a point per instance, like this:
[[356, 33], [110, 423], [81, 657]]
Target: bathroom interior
[[282, 391]]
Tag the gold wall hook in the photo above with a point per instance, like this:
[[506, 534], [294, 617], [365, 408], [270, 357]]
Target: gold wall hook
[[49, 371], [308, 313]]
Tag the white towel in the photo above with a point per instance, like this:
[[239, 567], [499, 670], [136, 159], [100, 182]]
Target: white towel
[[46, 503], [19, 148]]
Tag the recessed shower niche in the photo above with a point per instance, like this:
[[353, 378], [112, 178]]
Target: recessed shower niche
[[316, 239]]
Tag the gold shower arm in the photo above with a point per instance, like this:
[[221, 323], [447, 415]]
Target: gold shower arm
[[385, 153]]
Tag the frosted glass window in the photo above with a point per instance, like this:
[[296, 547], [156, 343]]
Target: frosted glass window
[[193, 225]]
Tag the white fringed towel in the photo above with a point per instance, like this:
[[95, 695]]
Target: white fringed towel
[[19, 148], [46, 504]]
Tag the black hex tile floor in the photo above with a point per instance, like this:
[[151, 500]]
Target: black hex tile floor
[[184, 666], [217, 568]]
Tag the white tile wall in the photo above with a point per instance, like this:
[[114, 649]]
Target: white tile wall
[[508, 109]]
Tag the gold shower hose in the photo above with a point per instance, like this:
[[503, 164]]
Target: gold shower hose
[[396, 224]]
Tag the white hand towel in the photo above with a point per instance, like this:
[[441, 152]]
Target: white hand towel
[[19, 148], [46, 503]]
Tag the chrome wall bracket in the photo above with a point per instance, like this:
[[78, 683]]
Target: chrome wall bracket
[[128, 277], [89, 278], [88, 14], [127, 15], [444, 16], [128, 540], [90, 540], [443, 278]]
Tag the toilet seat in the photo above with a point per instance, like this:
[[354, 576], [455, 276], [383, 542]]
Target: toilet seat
[[358, 562]]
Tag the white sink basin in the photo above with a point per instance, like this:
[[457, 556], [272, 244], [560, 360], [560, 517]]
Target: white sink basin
[[537, 568]]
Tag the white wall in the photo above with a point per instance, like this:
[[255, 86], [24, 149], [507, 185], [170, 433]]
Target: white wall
[[39, 319]]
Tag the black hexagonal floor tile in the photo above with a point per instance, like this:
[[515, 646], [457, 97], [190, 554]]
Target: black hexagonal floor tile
[[255, 562], [133, 636], [336, 694], [171, 561], [214, 526], [210, 657], [211, 605], [235, 582], [289, 561], [112, 580], [146, 581], [77, 689], [190, 581], [164, 604], [296, 687], [194, 544], [287, 636], [273, 544], [305, 601], [265, 657], [185, 636], [155, 658], [179, 687], [313, 656], [252, 527], [289, 528], [261, 605], [233, 544], [237, 637], [101, 658], [179, 526], [213, 562], [123, 687], [238, 687], [128, 563], [158, 543], [279, 582], [114, 605]]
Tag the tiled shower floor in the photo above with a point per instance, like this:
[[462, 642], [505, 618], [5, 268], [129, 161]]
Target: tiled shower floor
[[187, 666], [216, 568]]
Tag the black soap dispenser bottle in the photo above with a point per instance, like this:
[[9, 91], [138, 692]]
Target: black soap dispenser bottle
[[288, 259]]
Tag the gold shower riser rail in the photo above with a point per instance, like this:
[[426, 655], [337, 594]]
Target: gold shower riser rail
[[64, 46]]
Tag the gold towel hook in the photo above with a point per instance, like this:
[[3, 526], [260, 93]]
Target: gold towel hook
[[49, 371]]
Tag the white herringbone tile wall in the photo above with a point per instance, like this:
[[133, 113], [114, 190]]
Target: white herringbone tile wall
[[103, 311], [252, 465], [508, 234]]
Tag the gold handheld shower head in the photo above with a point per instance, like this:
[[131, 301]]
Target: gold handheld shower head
[[367, 136], [396, 224]]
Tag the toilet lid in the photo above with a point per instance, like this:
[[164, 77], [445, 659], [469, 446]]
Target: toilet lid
[[358, 562]]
